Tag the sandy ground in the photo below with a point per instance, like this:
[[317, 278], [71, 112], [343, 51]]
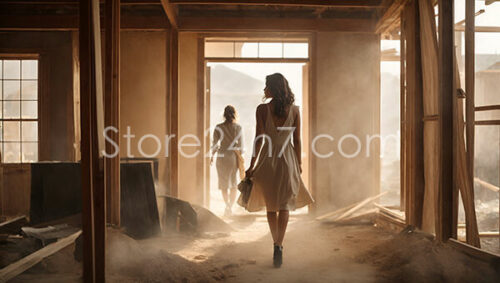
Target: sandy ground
[[313, 252]]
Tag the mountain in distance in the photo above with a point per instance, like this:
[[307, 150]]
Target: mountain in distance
[[227, 81]]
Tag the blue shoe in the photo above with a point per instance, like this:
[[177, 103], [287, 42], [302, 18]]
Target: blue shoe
[[278, 256]]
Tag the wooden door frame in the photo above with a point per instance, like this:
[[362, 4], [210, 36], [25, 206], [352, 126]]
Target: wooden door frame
[[203, 105]]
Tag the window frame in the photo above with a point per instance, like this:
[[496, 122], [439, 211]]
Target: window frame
[[23, 56]]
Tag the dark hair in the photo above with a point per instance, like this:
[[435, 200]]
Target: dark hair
[[230, 113], [281, 93]]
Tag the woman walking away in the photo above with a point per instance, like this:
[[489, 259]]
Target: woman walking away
[[227, 141], [277, 184]]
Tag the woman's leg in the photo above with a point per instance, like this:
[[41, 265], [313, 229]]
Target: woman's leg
[[232, 196], [224, 197], [282, 223], [273, 224]]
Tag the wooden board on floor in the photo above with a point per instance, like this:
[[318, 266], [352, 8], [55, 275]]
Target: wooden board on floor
[[27, 262]]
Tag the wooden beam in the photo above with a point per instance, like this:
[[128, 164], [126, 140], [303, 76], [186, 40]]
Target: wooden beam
[[29, 261], [171, 13], [330, 3], [73, 2], [415, 184], [444, 216], [470, 74], [112, 108], [70, 22], [173, 113], [390, 17], [274, 24], [473, 251], [402, 115], [480, 28], [487, 108], [86, 90]]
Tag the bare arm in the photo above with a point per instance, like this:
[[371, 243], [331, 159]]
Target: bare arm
[[215, 141], [297, 141], [257, 141]]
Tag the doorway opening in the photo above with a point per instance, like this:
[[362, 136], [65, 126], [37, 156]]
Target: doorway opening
[[240, 82]]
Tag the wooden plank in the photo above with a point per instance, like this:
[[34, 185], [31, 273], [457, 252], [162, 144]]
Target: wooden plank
[[391, 17], [112, 108], [336, 212], [359, 206], [171, 13], [488, 123], [328, 3], [473, 251], [86, 91], [201, 160], [70, 22], [415, 184], [274, 24], [390, 212], [480, 28], [470, 83], [444, 216], [402, 115], [487, 108], [27, 262], [174, 110], [487, 185]]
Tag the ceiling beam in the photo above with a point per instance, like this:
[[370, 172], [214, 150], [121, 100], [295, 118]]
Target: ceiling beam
[[275, 24], [69, 22], [391, 18], [170, 10], [75, 2], [332, 3]]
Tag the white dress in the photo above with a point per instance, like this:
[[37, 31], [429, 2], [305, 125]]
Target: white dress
[[226, 137], [277, 184]]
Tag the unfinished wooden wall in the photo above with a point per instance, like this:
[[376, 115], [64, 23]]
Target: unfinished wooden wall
[[346, 101], [56, 126], [143, 91], [189, 188]]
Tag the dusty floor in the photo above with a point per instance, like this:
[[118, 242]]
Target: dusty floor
[[313, 252]]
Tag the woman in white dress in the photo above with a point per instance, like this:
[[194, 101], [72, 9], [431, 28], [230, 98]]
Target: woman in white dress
[[227, 139], [276, 161]]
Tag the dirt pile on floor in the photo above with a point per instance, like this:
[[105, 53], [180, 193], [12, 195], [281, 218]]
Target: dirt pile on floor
[[129, 261], [415, 257]]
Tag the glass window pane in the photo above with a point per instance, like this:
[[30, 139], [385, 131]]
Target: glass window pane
[[1, 88], [29, 90], [296, 50], [12, 90], [1, 69], [219, 49], [30, 69], [30, 131], [12, 152], [247, 49], [11, 110], [271, 50], [30, 152], [29, 110], [11, 131], [12, 69], [1, 132]]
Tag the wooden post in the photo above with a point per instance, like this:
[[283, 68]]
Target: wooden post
[[86, 91], [174, 110], [444, 209], [402, 116], [93, 196], [201, 160], [470, 83], [112, 108], [414, 118]]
